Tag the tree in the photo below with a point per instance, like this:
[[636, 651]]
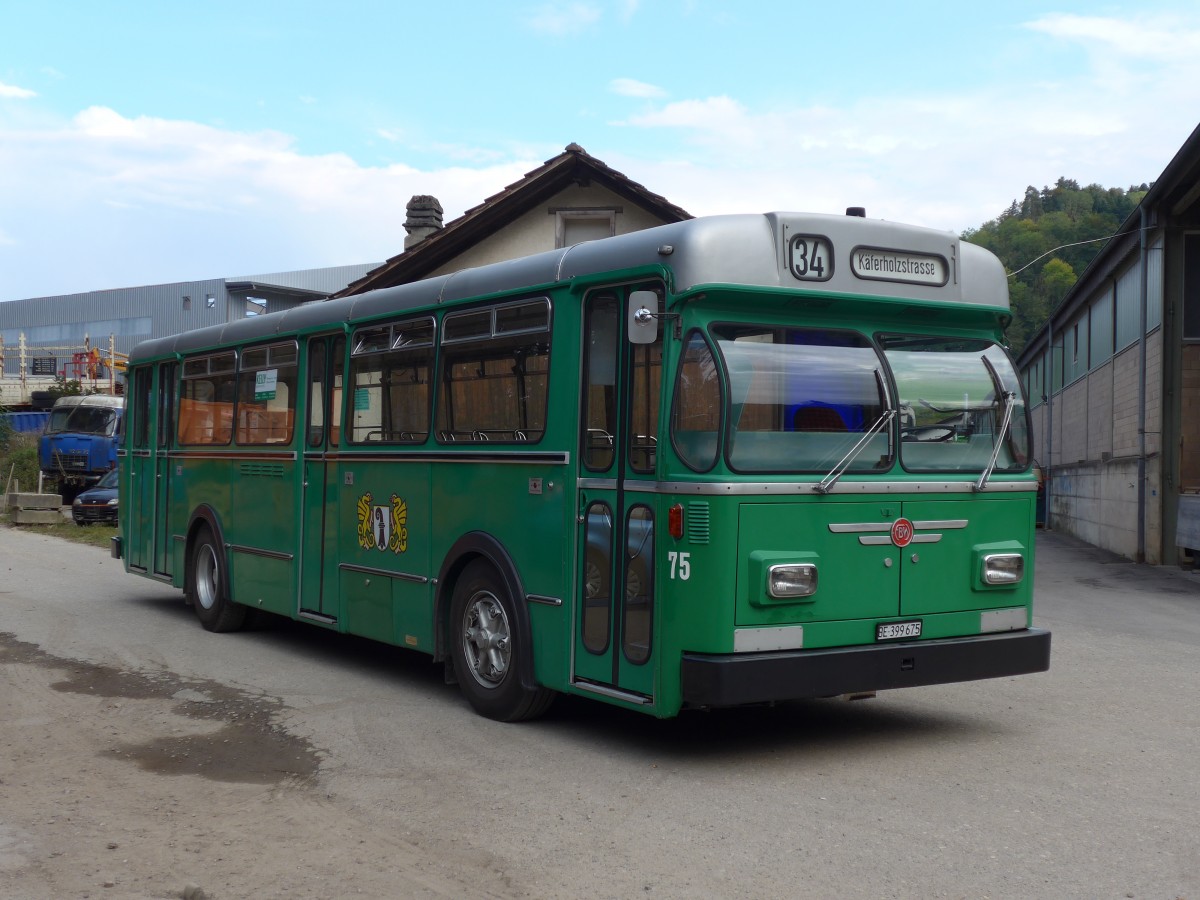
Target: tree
[[1056, 221]]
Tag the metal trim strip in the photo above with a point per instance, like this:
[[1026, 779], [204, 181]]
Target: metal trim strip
[[553, 459], [617, 693], [877, 540], [258, 551], [774, 488], [547, 601], [317, 617], [228, 454], [368, 570]]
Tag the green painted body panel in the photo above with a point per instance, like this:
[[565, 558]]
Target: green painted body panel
[[852, 580], [394, 609], [946, 575]]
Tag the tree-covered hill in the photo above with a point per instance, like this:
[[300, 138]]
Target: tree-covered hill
[[1060, 217]]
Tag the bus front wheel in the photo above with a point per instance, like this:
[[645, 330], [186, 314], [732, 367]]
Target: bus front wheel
[[206, 588], [488, 650]]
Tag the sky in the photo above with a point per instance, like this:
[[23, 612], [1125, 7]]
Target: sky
[[158, 142]]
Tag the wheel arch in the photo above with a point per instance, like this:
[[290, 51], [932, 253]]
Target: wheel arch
[[202, 516], [468, 548]]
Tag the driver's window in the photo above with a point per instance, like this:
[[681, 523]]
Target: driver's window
[[601, 328]]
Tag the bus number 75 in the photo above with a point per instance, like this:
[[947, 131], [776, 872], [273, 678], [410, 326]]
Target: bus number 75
[[681, 565]]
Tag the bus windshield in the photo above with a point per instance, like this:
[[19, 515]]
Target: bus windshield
[[801, 399], [953, 404], [83, 420]]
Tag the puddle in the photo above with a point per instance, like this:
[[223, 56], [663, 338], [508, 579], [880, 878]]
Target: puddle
[[248, 747]]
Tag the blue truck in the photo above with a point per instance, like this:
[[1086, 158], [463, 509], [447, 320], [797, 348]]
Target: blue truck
[[80, 442]]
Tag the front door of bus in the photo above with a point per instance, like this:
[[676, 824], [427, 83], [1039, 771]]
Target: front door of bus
[[615, 591], [318, 542], [167, 376]]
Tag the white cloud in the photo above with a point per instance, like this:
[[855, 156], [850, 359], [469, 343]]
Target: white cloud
[[952, 159], [1157, 38], [106, 201], [712, 114], [629, 87], [562, 19], [12, 92]]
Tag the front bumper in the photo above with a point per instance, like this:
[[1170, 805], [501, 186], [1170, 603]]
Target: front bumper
[[90, 515], [733, 680]]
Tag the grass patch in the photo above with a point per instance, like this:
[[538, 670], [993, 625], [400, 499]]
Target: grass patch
[[92, 535]]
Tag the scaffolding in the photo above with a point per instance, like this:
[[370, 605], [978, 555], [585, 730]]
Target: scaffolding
[[96, 370]]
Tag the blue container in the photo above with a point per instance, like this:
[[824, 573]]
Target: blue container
[[28, 422]]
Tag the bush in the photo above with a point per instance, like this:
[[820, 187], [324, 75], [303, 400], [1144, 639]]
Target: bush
[[19, 459]]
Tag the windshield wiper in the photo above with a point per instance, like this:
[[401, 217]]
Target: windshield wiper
[[827, 483], [1010, 402]]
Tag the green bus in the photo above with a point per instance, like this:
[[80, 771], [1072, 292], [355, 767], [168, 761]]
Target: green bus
[[732, 460]]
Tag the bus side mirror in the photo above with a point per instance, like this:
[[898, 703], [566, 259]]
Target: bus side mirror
[[641, 321]]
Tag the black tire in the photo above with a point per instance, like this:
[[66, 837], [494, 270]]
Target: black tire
[[488, 649], [207, 590]]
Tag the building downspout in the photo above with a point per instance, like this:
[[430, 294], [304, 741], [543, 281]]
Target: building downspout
[[1047, 480], [1143, 254]]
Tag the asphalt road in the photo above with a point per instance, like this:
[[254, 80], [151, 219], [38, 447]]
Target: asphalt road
[[1080, 782]]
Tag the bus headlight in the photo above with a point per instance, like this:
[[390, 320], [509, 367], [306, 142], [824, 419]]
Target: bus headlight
[[1003, 568], [793, 580]]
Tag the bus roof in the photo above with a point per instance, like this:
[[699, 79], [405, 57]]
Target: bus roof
[[869, 257]]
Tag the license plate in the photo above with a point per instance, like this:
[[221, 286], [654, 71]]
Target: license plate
[[894, 631]]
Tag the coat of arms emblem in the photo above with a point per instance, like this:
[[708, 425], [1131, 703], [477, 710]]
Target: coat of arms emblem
[[382, 527]]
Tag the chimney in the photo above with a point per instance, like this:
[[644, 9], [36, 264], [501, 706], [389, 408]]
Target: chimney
[[424, 218]]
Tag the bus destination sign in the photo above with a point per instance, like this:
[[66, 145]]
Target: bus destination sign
[[877, 264]]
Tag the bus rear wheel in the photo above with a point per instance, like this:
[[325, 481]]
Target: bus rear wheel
[[488, 651], [206, 588]]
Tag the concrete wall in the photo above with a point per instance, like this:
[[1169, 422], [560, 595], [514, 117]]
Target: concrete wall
[[1094, 466], [1098, 502]]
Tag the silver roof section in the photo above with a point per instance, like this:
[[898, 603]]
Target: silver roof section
[[750, 250], [105, 400]]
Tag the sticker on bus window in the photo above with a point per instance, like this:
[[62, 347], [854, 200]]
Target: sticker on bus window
[[266, 383], [382, 527]]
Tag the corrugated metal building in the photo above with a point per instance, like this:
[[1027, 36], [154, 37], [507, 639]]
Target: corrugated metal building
[[135, 314]]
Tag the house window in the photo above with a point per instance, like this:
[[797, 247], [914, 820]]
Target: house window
[[187, 303], [210, 302], [575, 225], [255, 306]]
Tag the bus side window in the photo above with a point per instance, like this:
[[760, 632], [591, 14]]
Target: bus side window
[[645, 391], [600, 389], [495, 374], [266, 395], [390, 375]]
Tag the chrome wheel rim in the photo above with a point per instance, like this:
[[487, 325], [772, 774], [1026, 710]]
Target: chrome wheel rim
[[206, 577], [486, 643]]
